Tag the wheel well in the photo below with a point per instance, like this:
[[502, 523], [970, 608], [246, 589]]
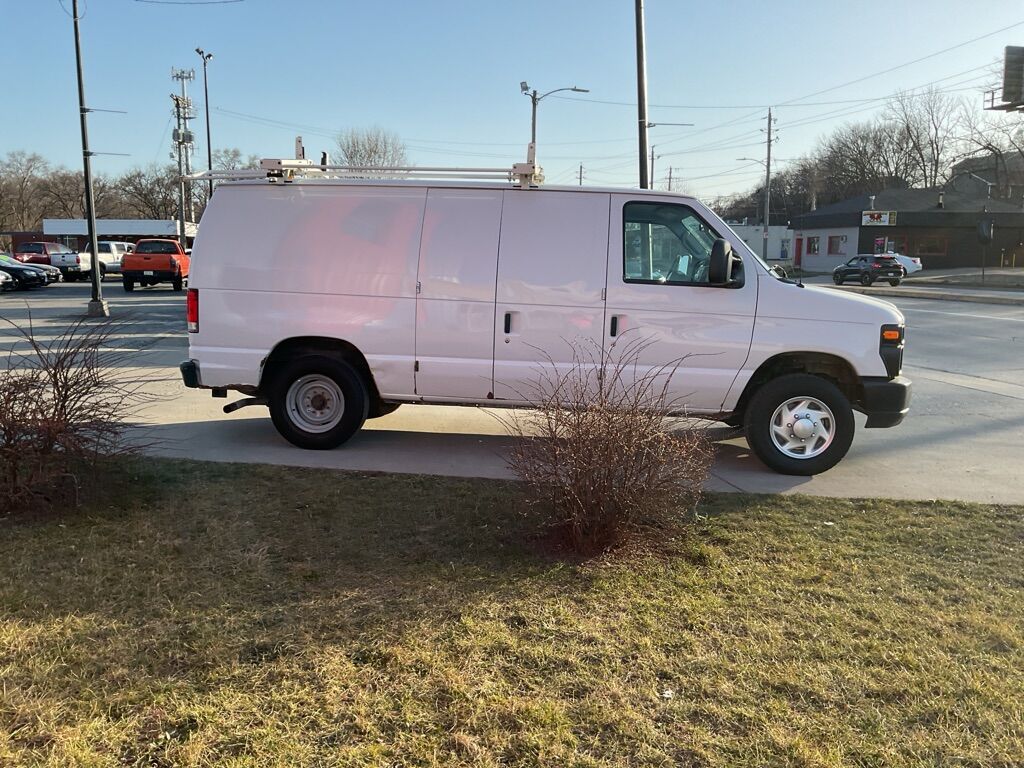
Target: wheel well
[[321, 345], [834, 369]]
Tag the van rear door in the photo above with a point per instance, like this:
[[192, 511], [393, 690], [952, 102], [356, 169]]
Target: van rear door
[[551, 279]]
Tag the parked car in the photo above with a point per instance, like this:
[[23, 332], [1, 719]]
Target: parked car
[[867, 269], [352, 296], [52, 274], [26, 276], [155, 261], [910, 264], [73, 265], [110, 254], [6, 282]]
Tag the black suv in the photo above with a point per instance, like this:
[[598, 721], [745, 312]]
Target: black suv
[[867, 269]]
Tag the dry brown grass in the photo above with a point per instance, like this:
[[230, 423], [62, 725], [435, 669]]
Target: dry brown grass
[[226, 615]]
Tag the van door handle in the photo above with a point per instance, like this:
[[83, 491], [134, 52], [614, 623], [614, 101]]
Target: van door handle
[[508, 322], [615, 325]]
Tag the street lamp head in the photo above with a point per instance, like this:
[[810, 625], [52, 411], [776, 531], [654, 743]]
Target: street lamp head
[[524, 87], [580, 90]]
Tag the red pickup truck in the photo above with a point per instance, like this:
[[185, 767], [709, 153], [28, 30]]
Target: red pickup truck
[[155, 261], [72, 264]]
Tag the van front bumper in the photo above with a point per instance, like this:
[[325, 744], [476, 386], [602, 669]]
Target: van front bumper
[[885, 401], [190, 374]]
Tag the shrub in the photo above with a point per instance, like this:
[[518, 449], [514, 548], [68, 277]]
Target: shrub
[[599, 454], [61, 412]]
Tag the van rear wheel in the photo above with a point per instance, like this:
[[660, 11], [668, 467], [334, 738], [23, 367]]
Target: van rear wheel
[[800, 424], [318, 402]]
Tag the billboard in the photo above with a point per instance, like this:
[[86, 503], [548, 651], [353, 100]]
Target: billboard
[[877, 218]]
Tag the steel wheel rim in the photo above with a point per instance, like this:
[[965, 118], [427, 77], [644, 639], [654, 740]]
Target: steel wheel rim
[[802, 428], [315, 403]]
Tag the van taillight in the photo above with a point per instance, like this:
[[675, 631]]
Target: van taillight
[[192, 310]]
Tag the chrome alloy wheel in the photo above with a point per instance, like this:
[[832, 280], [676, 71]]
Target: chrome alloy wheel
[[803, 427], [315, 403]]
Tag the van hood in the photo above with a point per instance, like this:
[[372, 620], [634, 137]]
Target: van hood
[[819, 303]]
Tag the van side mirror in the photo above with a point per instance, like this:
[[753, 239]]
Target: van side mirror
[[725, 268]]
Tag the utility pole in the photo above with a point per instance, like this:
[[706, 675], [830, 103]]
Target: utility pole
[[97, 306], [185, 139], [767, 186], [581, 174], [179, 109], [653, 177], [641, 93], [670, 178]]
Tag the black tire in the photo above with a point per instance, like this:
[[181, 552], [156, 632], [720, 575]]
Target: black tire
[[322, 377], [177, 284], [837, 278], [103, 271], [128, 283], [770, 399], [894, 283], [866, 279]]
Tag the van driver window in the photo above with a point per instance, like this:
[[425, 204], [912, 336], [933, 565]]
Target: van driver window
[[666, 244]]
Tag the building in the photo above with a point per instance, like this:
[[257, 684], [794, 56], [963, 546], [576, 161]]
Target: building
[[780, 243], [940, 227]]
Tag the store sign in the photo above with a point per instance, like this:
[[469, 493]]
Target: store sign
[[878, 218]]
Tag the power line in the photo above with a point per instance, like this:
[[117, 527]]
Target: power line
[[901, 66]]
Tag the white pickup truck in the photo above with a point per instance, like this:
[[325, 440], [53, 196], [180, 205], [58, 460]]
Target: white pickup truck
[[355, 295]]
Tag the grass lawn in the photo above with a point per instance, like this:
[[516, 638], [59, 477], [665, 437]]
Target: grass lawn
[[255, 616]]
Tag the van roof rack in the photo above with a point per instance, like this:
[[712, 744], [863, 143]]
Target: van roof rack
[[279, 169]]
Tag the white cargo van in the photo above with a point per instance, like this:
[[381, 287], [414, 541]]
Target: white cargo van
[[334, 300]]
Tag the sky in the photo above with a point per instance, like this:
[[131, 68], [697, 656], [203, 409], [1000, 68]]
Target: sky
[[444, 76]]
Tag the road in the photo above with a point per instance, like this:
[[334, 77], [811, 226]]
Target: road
[[962, 440]]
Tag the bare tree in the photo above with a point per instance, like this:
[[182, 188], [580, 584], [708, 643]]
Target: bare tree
[[927, 128], [151, 193], [371, 147], [21, 176], [231, 159]]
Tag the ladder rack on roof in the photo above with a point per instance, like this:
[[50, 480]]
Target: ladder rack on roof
[[286, 170]]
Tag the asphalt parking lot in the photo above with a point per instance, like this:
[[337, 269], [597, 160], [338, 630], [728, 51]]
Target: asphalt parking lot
[[962, 440]]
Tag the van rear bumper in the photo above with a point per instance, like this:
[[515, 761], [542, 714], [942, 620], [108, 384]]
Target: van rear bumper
[[886, 401], [190, 374]]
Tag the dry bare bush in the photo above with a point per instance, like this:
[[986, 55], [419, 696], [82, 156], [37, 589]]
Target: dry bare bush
[[61, 413], [599, 455]]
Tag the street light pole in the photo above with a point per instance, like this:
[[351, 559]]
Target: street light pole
[[206, 107], [97, 306], [535, 100]]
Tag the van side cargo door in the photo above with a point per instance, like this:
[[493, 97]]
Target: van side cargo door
[[551, 279], [458, 262]]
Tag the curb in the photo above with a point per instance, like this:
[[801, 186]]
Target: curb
[[927, 293]]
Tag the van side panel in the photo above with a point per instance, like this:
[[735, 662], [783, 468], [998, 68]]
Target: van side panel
[[551, 278], [276, 262], [455, 307]]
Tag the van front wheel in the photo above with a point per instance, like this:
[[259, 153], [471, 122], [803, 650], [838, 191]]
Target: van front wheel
[[318, 402], [800, 424]]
